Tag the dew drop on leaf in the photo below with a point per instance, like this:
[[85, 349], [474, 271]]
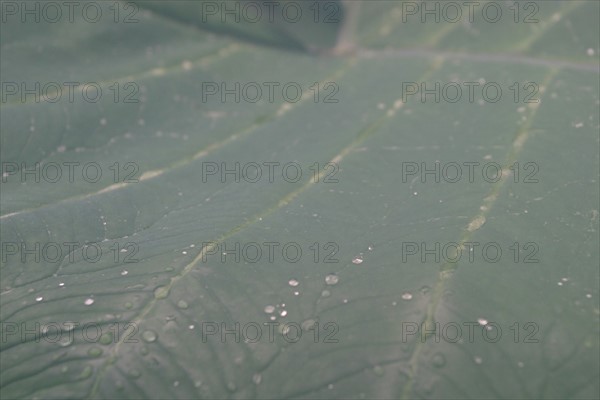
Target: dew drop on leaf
[[332, 279], [149, 336]]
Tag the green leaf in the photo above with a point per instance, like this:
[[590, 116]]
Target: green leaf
[[140, 329]]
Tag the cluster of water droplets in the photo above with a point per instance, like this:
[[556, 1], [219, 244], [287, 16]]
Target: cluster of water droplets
[[331, 279], [273, 310]]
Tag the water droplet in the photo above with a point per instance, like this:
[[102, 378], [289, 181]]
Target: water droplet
[[161, 292], [325, 293], [182, 304], [482, 321], [478, 360], [293, 282], [176, 383], [406, 296], [283, 313], [476, 223], [69, 326], [357, 260], [438, 360], [308, 324], [106, 338], [269, 309], [149, 336], [332, 279], [446, 274], [589, 295], [296, 293], [39, 298], [86, 373], [330, 386], [95, 352], [257, 378], [394, 303], [370, 248], [134, 373], [124, 272], [520, 364], [61, 284], [191, 327], [88, 301]]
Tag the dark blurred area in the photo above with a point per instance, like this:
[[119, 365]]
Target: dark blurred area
[[306, 26]]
